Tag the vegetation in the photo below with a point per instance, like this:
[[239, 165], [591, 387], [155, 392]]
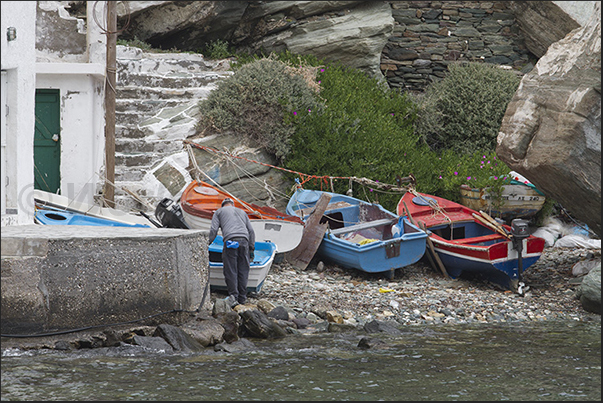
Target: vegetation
[[464, 111], [320, 118], [255, 102]]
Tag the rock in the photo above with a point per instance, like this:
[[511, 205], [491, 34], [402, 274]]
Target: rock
[[177, 338], [265, 306], [542, 23], [257, 324], [589, 292], [301, 323], [334, 317], [556, 111], [230, 321], [279, 313], [207, 332], [340, 327], [152, 343], [377, 326]]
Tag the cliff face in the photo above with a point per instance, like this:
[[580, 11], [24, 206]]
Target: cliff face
[[551, 132]]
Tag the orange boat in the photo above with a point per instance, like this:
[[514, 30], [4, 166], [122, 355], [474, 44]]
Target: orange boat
[[200, 199]]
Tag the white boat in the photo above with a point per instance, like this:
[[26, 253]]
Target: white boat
[[259, 268], [44, 199], [199, 201]]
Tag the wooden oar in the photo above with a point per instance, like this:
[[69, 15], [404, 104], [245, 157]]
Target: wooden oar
[[421, 225], [493, 221], [490, 225]]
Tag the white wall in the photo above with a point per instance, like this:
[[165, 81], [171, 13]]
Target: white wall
[[18, 63], [82, 127], [81, 86]]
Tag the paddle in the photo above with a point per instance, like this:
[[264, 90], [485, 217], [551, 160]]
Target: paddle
[[421, 225], [493, 221], [491, 226]]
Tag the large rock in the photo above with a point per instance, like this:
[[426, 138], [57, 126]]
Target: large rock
[[542, 23], [589, 292], [551, 131], [351, 32]]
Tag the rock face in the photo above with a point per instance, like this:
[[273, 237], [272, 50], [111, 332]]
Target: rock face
[[551, 132], [542, 24]]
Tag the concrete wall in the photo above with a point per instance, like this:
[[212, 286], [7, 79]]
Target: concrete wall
[[67, 277], [18, 106]]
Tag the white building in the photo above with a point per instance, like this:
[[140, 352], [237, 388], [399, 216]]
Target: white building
[[53, 83]]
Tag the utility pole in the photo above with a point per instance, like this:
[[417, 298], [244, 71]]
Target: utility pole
[[110, 92]]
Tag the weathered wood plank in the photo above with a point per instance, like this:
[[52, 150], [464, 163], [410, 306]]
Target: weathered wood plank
[[314, 232]]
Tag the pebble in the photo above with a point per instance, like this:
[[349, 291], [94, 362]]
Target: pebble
[[418, 294]]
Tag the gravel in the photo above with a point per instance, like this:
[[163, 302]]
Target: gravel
[[418, 294]]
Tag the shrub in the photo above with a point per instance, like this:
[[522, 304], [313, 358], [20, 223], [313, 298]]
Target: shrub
[[217, 49], [463, 112], [255, 100], [364, 130]]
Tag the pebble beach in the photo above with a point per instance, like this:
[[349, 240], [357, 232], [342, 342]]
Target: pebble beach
[[418, 294]]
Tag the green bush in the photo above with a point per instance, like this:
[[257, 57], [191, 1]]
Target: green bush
[[364, 130], [325, 121], [254, 103], [463, 112], [217, 49]]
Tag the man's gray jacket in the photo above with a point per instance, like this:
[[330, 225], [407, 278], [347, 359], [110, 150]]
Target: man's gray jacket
[[234, 222]]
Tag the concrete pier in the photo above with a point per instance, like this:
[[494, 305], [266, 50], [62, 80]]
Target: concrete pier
[[67, 277]]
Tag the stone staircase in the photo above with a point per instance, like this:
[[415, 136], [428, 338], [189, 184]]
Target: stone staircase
[[156, 108]]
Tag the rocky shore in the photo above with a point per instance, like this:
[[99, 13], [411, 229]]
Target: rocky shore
[[419, 295], [327, 298]]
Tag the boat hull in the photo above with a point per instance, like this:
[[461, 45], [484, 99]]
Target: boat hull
[[362, 235], [518, 201], [199, 201], [62, 217], [263, 258], [55, 201], [465, 245]]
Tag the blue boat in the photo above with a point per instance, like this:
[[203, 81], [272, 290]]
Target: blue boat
[[258, 270], [362, 235], [51, 216]]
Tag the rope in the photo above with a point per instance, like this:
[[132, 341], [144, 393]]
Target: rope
[[324, 180], [435, 206]]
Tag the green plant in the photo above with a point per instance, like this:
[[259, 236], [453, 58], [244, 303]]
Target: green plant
[[363, 130], [136, 43], [255, 101], [463, 112], [218, 49]]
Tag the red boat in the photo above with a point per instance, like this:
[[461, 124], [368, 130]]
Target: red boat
[[200, 199], [465, 240]]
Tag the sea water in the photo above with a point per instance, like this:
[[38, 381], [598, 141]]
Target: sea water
[[521, 361]]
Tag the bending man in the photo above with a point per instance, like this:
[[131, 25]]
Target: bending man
[[239, 246]]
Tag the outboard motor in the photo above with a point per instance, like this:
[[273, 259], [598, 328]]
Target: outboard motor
[[520, 231], [170, 215]]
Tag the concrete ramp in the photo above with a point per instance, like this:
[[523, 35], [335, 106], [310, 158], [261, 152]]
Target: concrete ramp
[[67, 277]]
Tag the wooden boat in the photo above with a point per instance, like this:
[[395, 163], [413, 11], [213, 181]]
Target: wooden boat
[[199, 200], [519, 200], [53, 216], [75, 211], [465, 243], [362, 235], [259, 268]]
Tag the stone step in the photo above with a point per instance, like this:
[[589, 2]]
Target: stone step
[[134, 160], [138, 60], [128, 174], [183, 80], [152, 93], [130, 131], [148, 106], [159, 147]]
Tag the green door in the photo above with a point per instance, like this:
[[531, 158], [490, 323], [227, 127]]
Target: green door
[[47, 144]]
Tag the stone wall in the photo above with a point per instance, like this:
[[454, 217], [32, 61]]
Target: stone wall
[[428, 35]]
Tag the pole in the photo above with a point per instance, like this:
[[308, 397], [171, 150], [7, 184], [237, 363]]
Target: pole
[[109, 191]]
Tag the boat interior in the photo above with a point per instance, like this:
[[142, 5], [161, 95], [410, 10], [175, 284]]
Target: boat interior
[[467, 232]]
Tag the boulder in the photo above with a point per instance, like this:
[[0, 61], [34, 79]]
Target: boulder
[[542, 23], [257, 324], [589, 292], [551, 131], [177, 338]]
